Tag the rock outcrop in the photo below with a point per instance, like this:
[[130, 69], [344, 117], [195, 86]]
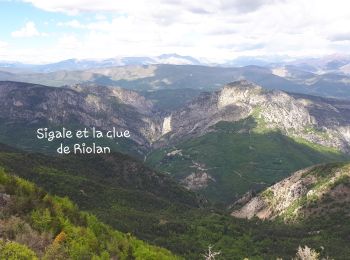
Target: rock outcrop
[[327, 186]]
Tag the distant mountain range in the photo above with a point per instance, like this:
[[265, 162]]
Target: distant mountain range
[[336, 63], [154, 77], [85, 64]]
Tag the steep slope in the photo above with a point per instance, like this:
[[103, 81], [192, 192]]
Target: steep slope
[[24, 107], [316, 191], [35, 224]]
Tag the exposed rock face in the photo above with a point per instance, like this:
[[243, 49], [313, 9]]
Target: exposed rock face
[[197, 180], [204, 112], [243, 200], [255, 206], [294, 196], [166, 125], [124, 96], [318, 120]]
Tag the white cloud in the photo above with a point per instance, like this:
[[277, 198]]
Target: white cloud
[[139, 6], [204, 28], [3, 45], [69, 42], [28, 30], [73, 23], [100, 17]]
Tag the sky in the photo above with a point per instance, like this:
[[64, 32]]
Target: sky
[[41, 31]]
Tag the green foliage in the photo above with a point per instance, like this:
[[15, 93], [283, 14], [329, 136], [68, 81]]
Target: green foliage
[[267, 194], [120, 191], [76, 235], [15, 251], [41, 219]]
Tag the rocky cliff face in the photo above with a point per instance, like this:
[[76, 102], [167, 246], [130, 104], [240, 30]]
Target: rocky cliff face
[[313, 191], [318, 120]]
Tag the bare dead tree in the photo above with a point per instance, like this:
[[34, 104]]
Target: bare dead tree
[[210, 254]]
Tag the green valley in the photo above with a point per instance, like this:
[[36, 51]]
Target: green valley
[[238, 156]]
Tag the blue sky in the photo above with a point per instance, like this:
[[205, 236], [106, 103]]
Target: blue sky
[[39, 31]]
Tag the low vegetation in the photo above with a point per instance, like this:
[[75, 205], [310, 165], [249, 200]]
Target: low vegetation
[[36, 225]]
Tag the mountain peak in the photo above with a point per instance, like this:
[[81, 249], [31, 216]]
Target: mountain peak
[[239, 91]]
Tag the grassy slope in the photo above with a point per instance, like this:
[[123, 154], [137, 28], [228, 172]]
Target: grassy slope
[[34, 223], [241, 158]]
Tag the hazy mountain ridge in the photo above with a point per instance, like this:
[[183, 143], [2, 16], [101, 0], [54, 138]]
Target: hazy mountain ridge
[[86, 64], [337, 63], [153, 77]]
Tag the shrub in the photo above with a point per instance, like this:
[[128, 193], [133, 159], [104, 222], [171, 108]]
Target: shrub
[[306, 253], [14, 251]]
